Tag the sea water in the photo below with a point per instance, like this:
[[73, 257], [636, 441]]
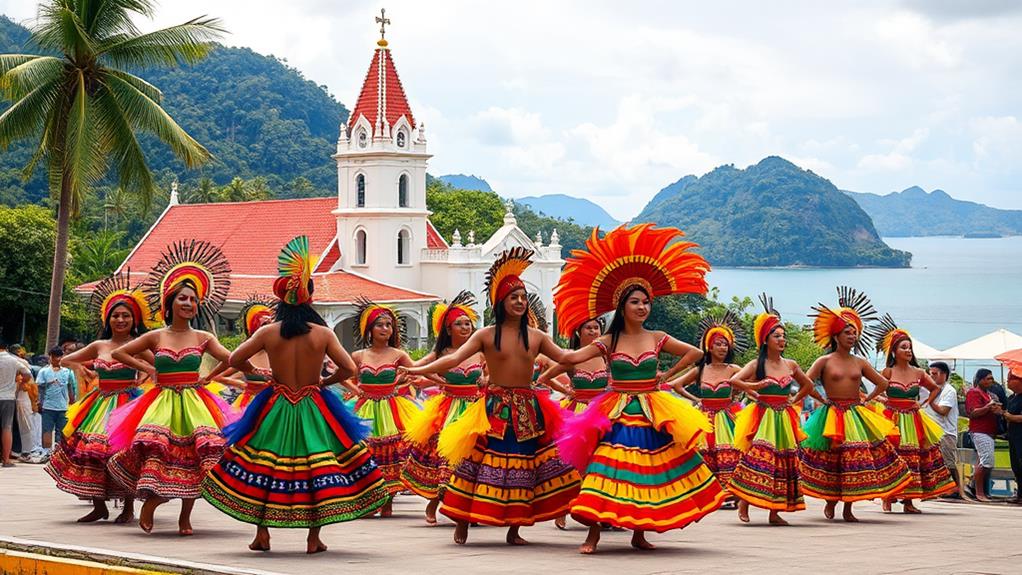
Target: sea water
[[957, 289]]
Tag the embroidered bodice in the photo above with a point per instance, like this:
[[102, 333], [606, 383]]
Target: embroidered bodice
[[377, 382], [898, 390], [114, 375], [178, 368]]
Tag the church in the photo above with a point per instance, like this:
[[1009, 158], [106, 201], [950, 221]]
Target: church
[[374, 239]]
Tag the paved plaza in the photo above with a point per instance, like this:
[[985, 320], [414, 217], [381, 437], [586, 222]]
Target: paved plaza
[[948, 538]]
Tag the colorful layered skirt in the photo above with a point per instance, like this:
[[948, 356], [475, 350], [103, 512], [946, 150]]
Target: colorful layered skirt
[[252, 389], [767, 434], [919, 447], [425, 472], [78, 464], [506, 467], [639, 453], [296, 459], [388, 416], [581, 400], [848, 456], [719, 451], [167, 440]]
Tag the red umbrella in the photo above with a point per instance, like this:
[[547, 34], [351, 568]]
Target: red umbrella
[[1012, 360]]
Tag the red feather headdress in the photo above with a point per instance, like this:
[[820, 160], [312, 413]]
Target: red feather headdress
[[765, 322], [888, 334], [504, 276], [444, 314], [854, 309], [594, 279], [256, 309]]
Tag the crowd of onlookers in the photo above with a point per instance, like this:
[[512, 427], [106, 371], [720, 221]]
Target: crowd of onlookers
[[35, 392], [993, 414]]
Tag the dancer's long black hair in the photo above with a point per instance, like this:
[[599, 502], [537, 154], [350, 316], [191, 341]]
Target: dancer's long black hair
[[295, 319], [762, 356], [617, 325]]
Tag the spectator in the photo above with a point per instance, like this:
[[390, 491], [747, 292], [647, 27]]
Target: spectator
[[10, 367], [1013, 413], [944, 409], [983, 411], [30, 426], [57, 387]]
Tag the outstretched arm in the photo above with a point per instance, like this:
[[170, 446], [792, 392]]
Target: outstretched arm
[[687, 379], [687, 355], [472, 346], [127, 353], [75, 361]]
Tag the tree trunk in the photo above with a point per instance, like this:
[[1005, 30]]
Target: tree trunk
[[59, 264]]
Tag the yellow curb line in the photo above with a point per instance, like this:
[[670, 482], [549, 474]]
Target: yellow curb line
[[22, 563]]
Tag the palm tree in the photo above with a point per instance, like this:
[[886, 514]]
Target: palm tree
[[85, 109], [205, 193], [99, 254], [115, 204]]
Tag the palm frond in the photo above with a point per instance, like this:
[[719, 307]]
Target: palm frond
[[111, 17], [151, 92], [84, 158], [27, 115], [142, 113], [11, 61], [21, 79], [184, 43], [61, 30], [124, 150]]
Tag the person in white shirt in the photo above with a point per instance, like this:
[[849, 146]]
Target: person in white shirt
[[944, 409], [10, 367]]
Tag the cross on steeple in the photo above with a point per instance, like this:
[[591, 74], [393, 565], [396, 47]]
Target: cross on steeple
[[383, 21]]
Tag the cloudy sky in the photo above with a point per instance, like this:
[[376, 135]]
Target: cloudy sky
[[614, 101]]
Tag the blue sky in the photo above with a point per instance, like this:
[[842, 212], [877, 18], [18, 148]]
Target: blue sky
[[614, 101]]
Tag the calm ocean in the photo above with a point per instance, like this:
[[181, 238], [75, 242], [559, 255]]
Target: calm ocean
[[956, 289]]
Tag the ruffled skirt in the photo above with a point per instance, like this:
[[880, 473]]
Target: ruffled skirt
[[296, 459], [642, 468], [388, 418], [847, 455], [425, 472], [919, 447], [78, 463], [767, 474], [719, 451], [167, 440], [499, 479]]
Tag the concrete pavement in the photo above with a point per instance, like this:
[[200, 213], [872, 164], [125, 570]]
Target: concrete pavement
[[948, 538]]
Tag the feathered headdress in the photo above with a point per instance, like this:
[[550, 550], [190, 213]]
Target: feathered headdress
[[444, 314], [537, 313], [854, 309], [256, 309], [504, 276], [765, 322], [115, 290], [198, 264], [727, 326], [294, 266], [594, 279], [368, 312], [888, 334]]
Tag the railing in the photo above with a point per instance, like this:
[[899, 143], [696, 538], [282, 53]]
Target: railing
[[431, 255]]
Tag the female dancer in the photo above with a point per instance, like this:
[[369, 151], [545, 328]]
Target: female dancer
[[425, 472], [721, 338], [767, 432], [168, 439], [296, 458], [847, 456], [919, 441], [257, 312], [78, 464], [637, 445], [507, 471], [379, 333], [588, 379]]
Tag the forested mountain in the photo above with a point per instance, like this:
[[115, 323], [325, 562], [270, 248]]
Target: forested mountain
[[771, 214], [463, 182], [579, 210], [257, 115], [913, 212]]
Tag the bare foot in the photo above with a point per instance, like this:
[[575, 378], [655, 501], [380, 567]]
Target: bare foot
[[589, 547], [828, 510], [743, 511], [983, 499], [127, 513], [313, 544], [461, 532], [145, 519], [184, 527], [431, 511], [513, 538], [908, 507], [639, 541], [775, 519], [99, 511], [561, 523], [184, 520], [261, 541], [846, 513], [886, 505]]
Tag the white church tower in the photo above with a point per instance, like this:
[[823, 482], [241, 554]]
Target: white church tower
[[381, 178]]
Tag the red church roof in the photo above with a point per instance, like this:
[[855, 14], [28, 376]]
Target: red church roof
[[434, 240], [382, 93]]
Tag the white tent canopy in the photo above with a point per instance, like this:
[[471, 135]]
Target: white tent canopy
[[923, 351], [983, 347]]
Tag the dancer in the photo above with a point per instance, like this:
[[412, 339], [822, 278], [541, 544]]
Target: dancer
[[919, 435], [255, 313], [170, 437], [79, 463], [637, 445], [847, 456], [297, 458], [379, 332], [767, 432], [506, 468], [425, 472], [721, 338], [590, 378]]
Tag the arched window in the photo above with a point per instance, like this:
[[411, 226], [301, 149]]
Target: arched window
[[403, 246], [360, 184], [402, 191], [401, 139], [360, 247], [362, 139]]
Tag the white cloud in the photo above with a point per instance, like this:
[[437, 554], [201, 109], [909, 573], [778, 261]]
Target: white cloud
[[916, 41]]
